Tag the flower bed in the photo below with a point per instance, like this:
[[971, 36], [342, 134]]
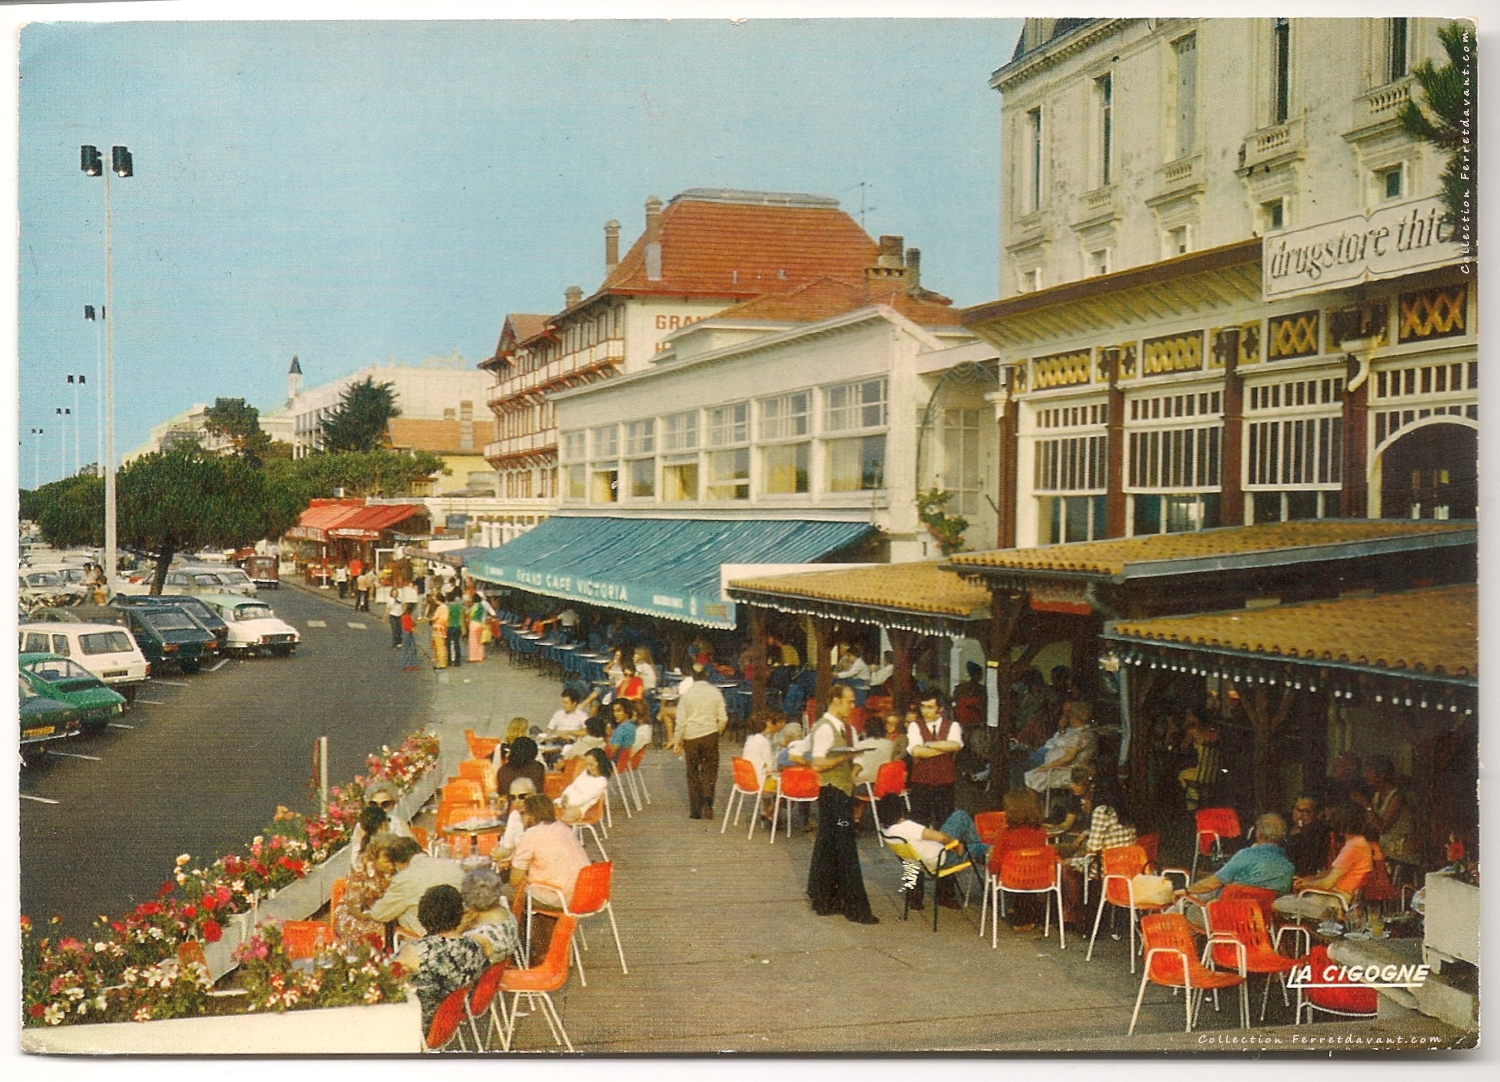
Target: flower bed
[[152, 963]]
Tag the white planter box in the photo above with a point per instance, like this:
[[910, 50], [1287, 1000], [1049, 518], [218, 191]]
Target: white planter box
[[1451, 921], [384, 1028]]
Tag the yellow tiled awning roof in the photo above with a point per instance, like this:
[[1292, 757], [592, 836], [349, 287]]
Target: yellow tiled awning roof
[[911, 587], [1113, 557], [1434, 630]]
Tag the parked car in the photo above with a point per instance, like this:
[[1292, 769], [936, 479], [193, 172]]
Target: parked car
[[67, 681], [206, 615], [44, 721], [207, 580], [106, 650], [47, 587], [263, 570], [253, 626]]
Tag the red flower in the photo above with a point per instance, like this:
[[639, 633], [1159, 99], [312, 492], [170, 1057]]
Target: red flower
[[293, 866], [259, 869], [209, 901], [35, 1010], [224, 894], [212, 933], [116, 926], [189, 911], [165, 889], [148, 909]]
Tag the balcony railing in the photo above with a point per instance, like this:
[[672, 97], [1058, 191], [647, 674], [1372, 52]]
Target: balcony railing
[[611, 350], [532, 443]]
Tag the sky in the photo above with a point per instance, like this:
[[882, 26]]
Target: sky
[[352, 192]]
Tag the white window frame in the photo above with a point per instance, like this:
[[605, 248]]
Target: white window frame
[[724, 434]]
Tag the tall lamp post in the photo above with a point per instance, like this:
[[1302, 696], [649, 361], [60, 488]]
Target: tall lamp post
[[122, 166], [36, 458], [62, 440], [88, 315], [76, 380]]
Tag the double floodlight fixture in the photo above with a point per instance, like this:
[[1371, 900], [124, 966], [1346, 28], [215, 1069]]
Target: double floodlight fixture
[[92, 163]]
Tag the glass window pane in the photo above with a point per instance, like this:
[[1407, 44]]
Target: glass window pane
[[786, 468], [679, 482], [729, 474], [643, 478]]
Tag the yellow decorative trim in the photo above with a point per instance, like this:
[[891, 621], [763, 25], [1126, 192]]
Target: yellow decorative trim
[[1433, 313], [1295, 335], [1174, 353]]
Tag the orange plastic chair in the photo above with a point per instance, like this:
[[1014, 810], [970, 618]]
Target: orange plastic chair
[[746, 785], [485, 998], [593, 822], [590, 898], [1172, 962], [419, 835], [1151, 843], [1242, 923], [1332, 993], [463, 791], [1260, 897], [481, 771], [1025, 871], [190, 952], [539, 982], [571, 768], [554, 784], [637, 779], [990, 825], [799, 785], [480, 747], [890, 780], [1213, 826], [1121, 865], [302, 938], [446, 1021]]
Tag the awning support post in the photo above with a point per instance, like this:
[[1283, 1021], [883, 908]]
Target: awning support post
[[757, 659]]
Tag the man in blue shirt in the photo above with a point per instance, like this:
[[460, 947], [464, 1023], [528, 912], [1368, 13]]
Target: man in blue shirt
[[1264, 864]]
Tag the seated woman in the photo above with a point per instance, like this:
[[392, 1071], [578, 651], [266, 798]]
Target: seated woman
[[381, 795], [586, 789], [622, 733], [368, 878], [957, 835], [593, 737], [443, 960], [517, 728], [488, 920], [1347, 873], [1023, 830], [1101, 801], [645, 668], [630, 685], [522, 763], [1073, 746]]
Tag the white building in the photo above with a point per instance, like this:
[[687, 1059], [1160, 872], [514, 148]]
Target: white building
[[1179, 349]]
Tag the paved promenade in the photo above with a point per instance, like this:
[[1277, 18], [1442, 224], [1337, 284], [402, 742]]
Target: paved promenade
[[725, 954]]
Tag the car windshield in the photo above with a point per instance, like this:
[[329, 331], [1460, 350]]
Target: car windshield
[[44, 578], [71, 574], [233, 578], [207, 579], [253, 612], [57, 668], [105, 642], [168, 620], [199, 610]]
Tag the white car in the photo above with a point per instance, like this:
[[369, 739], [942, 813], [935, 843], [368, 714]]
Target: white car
[[253, 626], [106, 650], [207, 580]]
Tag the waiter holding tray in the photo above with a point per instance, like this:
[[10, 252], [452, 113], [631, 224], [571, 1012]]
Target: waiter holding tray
[[835, 883]]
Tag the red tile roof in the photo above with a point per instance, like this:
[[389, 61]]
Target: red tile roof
[[729, 249], [829, 297], [1434, 630]]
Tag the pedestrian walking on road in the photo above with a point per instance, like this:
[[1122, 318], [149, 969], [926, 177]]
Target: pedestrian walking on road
[[455, 630], [438, 615], [701, 717], [835, 882], [408, 624], [476, 629], [363, 586], [341, 578], [394, 608]]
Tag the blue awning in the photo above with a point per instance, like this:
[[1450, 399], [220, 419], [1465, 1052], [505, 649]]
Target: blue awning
[[659, 567]]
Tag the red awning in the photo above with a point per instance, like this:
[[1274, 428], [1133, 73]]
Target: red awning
[[316, 520], [368, 523]]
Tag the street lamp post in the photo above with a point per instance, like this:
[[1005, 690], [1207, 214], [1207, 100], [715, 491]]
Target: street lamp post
[[62, 440], [77, 380], [36, 458], [88, 315], [122, 166]]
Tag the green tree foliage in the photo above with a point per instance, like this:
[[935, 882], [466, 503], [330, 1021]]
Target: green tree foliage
[[233, 420], [358, 473], [68, 512], [1447, 118], [183, 500], [361, 422]]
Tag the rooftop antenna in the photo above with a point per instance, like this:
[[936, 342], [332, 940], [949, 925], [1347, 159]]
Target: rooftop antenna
[[862, 185]]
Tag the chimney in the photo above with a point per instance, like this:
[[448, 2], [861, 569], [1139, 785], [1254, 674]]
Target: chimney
[[573, 295], [914, 270], [889, 272], [890, 251], [653, 239], [611, 245]]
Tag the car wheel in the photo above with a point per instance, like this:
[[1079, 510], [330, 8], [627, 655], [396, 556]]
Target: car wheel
[[191, 667], [33, 757], [281, 651]]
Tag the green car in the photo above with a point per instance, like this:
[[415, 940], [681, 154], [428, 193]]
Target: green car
[[67, 681], [43, 721]]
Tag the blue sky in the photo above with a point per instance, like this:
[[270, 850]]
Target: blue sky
[[350, 192]]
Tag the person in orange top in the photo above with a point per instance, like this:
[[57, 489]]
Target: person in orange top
[[1347, 873]]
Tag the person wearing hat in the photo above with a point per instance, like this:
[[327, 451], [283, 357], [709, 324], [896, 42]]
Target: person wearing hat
[[701, 717]]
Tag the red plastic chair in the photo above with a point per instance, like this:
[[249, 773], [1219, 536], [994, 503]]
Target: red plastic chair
[[890, 780], [571, 768], [463, 791], [1172, 962], [590, 898], [485, 998], [539, 982], [1332, 993], [593, 822], [1213, 826], [1151, 843], [1260, 897], [446, 1021], [637, 779], [1242, 922], [745, 785], [303, 938], [989, 826], [1121, 865], [481, 771], [480, 747], [553, 784], [1025, 871], [799, 785]]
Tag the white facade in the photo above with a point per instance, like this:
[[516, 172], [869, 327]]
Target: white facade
[[1128, 141], [438, 389], [817, 419], [1163, 375]]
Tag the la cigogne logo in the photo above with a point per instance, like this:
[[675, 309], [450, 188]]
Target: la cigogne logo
[[1334, 975]]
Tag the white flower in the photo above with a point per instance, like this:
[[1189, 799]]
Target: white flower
[[54, 1014], [257, 840], [143, 1015], [82, 1008], [99, 947], [155, 932], [131, 975], [182, 859], [372, 994], [75, 993], [238, 886], [99, 1003]]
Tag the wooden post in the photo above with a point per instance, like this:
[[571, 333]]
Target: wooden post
[[1231, 494], [1006, 490], [1354, 495], [1005, 621], [901, 683], [821, 631], [1114, 449], [1139, 685], [1265, 723], [757, 659]]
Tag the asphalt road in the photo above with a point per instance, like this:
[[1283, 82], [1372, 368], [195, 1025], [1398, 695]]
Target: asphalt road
[[208, 759]]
